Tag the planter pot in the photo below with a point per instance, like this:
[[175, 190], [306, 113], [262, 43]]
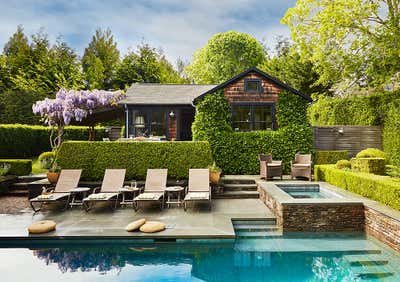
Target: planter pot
[[215, 176], [53, 177]]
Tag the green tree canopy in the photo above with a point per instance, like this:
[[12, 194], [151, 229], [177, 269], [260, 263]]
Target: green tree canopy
[[100, 59], [225, 55], [351, 42]]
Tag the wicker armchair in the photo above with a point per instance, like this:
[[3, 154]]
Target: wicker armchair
[[301, 166], [268, 167]]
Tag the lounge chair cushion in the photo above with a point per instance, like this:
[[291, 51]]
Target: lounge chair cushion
[[301, 165], [50, 197], [135, 225], [197, 195], [41, 227], [149, 196], [98, 196], [152, 226]]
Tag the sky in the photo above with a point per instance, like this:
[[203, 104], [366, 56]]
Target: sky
[[179, 27]]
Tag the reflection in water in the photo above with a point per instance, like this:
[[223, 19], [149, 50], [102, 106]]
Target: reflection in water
[[209, 262]]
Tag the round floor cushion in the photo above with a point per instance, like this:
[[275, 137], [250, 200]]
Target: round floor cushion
[[152, 226], [42, 226], [135, 224]]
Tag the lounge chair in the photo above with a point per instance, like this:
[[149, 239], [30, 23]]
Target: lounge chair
[[67, 181], [113, 181], [156, 182], [268, 167], [301, 166], [199, 189]]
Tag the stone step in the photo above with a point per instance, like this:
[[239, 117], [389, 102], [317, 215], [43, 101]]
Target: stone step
[[366, 260], [254, 228], [240, 187], [266, 221], [238, 195], [228, 180], [372, 272], [259, 234]]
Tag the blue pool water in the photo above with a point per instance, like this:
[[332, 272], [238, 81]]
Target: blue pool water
[[289, 258], [304, 191]]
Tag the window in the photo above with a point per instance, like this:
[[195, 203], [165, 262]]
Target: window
[[149, 122], [252, 86], [247, 117]]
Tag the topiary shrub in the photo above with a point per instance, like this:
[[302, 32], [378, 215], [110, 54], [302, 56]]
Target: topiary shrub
[[369, 165], [46, 159], [18, 166], [393, 171], [343, 164], [371, 153], [329, 157]]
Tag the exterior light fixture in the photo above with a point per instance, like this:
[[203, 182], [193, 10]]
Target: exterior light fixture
[[171, 114]]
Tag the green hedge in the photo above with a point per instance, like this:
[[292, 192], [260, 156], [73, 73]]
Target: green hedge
[[136, 157], [383, 189], [18, 167], [369, 165], [329, 157], [22, 141]]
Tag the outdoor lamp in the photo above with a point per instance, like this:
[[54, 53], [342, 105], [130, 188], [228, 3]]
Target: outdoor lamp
[[172, 114]]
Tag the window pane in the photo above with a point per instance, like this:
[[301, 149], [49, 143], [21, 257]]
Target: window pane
[[241, 126], [252, 86], [140, 120], [262, 117], [158, 123], [241, 118]]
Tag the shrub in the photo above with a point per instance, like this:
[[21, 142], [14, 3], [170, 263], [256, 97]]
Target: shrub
[[18, 166], [369, 165], [291, 110], [393, 171], [376, 187], [21, 141], [329, 157], [46, 159], [343, 164], [94, 157], [371, 153]]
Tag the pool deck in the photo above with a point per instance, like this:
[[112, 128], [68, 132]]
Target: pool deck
[[197, 223]]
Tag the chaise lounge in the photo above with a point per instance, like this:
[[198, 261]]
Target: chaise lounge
[[113, 181], [156, 182], [67, 181], [199, 189]]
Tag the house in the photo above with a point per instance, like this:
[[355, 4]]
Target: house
[[168, 110]]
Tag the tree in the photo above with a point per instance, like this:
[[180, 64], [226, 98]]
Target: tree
[[226, 54], [351, 42], [100, 59], [288, 67]]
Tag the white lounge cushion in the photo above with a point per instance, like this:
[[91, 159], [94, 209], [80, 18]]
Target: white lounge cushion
[[197, 195]]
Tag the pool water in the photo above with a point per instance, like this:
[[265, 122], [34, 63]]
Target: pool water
[[305, 191], [349, 257]]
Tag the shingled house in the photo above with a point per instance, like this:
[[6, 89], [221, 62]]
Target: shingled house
[[167, 110]]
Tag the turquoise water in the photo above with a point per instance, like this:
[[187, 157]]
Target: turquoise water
[[289, 258]]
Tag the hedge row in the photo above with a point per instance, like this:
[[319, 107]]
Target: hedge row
[[376, 187], [24, 141], [329, 157], [18, 167], [378, 109], [136, 157]]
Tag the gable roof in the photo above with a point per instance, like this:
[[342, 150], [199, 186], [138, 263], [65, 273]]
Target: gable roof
[[264, 75], [164, 94]]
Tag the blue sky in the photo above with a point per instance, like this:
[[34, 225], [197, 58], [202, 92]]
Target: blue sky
[[179, 27]]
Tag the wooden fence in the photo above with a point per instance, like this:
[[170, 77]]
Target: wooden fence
[[350, 138]]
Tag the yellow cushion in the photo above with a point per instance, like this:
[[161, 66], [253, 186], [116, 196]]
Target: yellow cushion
[[152, 226], [45, 196], [135, 225], [42, 226]]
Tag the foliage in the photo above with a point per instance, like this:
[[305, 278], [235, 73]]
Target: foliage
[[214, 168], [4, 169], [22, 141], [391, 132], [329, 157], [18, 166], [291, 109], [46, 159], [369, 165], [393, 171], [100, 59], [351, 42], [136, 157], [225, 55], [376, 187], [16, 107], [72, 105], [371, 153], [343, 164]]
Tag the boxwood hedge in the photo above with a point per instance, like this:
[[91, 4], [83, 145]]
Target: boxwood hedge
[[136, 157], [18, 166], [329, 157], [383, 189]]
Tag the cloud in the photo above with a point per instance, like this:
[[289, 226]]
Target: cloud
[[178, 27]]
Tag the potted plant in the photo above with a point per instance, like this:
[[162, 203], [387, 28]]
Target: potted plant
[[215, 173], [54, 172]]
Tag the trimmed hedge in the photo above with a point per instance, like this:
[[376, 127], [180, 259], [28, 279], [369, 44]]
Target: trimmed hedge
[[383, 189], [343, 164], [369, 165], [22, 141], [371, 153], [18, 166], [329, 157], [136, 157]]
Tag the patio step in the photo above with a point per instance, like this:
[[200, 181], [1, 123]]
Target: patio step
[[256, 228], [237, 195], [258, 234], [236, 180], [240, 187], [367, 260], [267, 221]]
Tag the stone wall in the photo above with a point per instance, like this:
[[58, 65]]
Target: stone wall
[[274, 206], [383, 227]]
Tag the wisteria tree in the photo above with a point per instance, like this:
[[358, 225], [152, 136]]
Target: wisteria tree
[[72, 105]]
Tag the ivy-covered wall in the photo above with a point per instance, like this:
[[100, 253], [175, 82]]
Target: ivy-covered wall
[[237, 152]]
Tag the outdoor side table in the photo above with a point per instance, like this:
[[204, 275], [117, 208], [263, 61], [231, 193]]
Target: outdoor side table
[[126, 191], [174, 190], [78, 191]]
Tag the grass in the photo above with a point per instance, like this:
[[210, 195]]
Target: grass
[[36, 169]]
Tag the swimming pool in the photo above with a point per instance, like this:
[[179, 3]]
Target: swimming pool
[[300, 257], [305, 191]]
